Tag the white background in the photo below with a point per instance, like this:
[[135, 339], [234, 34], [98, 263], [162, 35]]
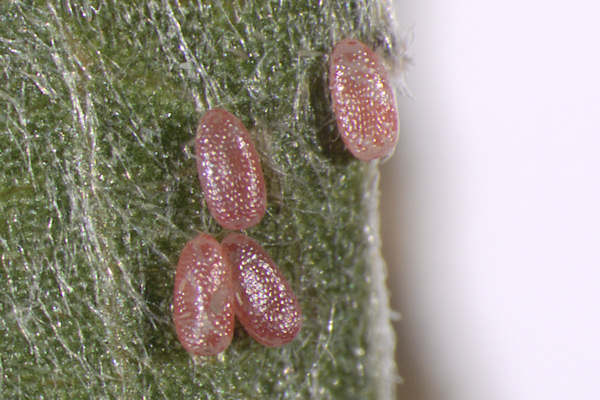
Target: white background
[[491, 203]]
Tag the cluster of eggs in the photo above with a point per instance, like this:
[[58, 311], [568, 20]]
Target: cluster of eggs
[[216, 282]]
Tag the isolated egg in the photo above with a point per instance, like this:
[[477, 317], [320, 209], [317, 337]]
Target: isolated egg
[[202, 298], [363, 100], [229, 171], [264, 302]]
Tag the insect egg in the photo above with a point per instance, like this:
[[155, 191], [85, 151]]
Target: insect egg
[[363, 100], [202, 297], [263, 301], [229, 170]]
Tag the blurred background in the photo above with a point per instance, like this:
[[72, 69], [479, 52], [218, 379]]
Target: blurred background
[[491, 204]]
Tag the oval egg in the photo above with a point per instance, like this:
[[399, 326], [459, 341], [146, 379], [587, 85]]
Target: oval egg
[[203, 297], [264, 302], [363, 100], [229, 170]]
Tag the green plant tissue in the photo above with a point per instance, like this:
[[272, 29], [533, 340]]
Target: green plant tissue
[[99, 193]]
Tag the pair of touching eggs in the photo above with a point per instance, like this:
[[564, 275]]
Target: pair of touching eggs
[[214, 283]]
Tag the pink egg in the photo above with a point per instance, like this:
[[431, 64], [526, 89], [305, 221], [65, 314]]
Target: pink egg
[[263, 302], [363, 101], [203, 297], [229, 171]]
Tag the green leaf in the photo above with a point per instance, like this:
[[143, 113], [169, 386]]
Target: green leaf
[[99, 193]]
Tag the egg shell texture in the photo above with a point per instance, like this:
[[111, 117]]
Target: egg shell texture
[[203, 298], [363, 100], [229, 170], [264, 302]]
